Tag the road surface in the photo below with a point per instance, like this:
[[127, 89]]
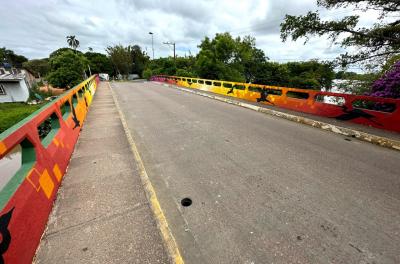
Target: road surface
[[264, 189]]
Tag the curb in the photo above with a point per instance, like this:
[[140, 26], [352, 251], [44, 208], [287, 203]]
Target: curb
[[162, 224], [374, 139]]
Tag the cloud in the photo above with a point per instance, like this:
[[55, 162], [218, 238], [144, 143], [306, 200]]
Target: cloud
[[275, 13], [36, 28]]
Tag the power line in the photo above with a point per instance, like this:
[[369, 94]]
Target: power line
[[171, 44]]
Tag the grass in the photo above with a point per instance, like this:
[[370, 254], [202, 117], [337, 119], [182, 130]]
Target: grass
[[12, 113]]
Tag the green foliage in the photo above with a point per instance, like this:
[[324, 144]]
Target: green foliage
[[311, 74], [99, 63], [130, 59], [147, 73], [162, 66], [12, 113], [307, 75], [344, 75], [181, 66], [9, 56], [390, 63], [73, 42], [229, 59], [358, 83], [120, 58], [373, 45], [184, 73], [35, 91], [39, 67], [272, 73], [139, 59], [225, 58], [62, 50], [67, 69]]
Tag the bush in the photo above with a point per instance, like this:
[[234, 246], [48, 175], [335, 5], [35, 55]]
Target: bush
[[389, 84], [147, 73], [185, 73]]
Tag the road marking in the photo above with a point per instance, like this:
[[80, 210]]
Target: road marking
[[162, 223]]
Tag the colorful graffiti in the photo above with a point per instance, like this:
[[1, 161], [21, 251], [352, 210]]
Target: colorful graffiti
[[27, 197], [383, 113]]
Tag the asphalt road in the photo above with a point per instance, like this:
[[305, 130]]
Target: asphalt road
[[264, 189]]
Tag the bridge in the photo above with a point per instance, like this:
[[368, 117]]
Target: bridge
[[185, 170]]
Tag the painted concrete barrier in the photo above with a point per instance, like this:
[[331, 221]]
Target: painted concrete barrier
[[383, 113], [27, 196]]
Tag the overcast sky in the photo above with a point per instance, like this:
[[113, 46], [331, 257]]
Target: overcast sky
[[36, 28]]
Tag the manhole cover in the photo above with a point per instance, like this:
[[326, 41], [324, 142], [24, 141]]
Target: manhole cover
[[186, 202]]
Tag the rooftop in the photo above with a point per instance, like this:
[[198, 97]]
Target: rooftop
[[13, 75]]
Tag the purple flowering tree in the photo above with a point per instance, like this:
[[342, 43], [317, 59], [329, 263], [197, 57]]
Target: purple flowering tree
[[389, 84]]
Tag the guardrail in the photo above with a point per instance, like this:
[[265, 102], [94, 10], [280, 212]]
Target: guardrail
[[27, 196], [372, 111]]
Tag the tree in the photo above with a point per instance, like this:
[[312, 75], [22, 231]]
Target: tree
[[185, 73], [73, 42], [373, 45], [99, 63], [305, 75], [272, 73], [62, 50], [181, 66], [139, 59], [311, 74], [67, 69], [231, 59], [186, 64], [121, 58], [39, 67], [345, 75], [9, 56]]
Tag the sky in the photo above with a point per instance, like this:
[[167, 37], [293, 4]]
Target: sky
[[36, 28]]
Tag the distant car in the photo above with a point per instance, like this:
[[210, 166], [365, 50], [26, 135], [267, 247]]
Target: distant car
[[104, 77], [133, 77]]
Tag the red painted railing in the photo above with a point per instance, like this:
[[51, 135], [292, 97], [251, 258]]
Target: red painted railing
[[27, 198]]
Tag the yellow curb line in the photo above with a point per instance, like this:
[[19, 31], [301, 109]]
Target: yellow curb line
[[162, 223], [377, 140]]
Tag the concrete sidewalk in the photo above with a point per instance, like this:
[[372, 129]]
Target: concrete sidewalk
[[102, 214]]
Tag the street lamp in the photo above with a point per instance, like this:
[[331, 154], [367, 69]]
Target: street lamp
[[152, 42]]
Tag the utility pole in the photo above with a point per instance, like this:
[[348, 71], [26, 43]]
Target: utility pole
[[152, 42], [172, 44]]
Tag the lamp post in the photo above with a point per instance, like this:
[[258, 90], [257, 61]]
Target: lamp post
[[152, 42]]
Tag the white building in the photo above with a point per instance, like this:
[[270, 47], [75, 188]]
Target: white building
[[14, 86]]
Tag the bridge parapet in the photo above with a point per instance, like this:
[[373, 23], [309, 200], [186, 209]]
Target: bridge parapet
[[383, 113], [46, 140]]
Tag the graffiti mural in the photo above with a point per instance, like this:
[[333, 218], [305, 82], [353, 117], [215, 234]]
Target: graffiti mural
[[5, 233]]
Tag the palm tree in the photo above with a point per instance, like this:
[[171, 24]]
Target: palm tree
[[73, 42]]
